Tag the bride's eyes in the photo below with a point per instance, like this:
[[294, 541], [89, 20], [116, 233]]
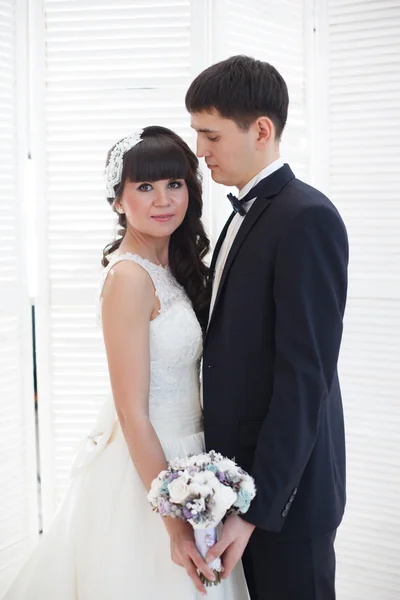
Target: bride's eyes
[[147, 187], [175, 185]]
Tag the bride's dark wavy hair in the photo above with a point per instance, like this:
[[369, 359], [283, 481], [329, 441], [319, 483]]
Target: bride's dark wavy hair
[[162, 154]]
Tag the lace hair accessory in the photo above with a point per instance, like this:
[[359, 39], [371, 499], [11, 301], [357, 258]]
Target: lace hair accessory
[[113, 171]]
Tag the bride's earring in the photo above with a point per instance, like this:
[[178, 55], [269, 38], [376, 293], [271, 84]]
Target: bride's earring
[[120, 210]]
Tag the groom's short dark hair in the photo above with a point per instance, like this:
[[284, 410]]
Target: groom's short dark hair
[[241, 88]]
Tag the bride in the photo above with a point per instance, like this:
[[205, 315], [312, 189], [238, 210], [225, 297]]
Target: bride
[[105, 542]]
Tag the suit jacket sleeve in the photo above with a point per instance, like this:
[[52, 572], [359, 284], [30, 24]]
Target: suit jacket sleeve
[[310, 289]]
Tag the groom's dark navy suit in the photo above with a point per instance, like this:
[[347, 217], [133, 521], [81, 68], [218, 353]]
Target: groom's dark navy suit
[[271, 391]]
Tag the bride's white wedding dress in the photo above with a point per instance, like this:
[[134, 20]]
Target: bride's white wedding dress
[[105, 542]]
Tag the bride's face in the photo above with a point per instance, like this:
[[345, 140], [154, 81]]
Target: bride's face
[[154, 208]]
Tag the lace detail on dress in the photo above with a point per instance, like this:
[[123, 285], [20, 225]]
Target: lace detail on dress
[[166, 287]]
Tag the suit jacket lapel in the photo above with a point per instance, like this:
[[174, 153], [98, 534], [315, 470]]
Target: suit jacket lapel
[[273, 185], [220, 241], [218, 245]]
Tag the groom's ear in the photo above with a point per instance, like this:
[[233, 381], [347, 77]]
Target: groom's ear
[[265, 130]]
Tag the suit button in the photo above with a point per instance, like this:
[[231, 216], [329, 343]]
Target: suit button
[[294, 492], [291, 498], [288, 505], [285, 512]]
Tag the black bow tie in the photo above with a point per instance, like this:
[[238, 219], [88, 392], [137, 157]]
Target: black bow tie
[[237, 204], [266, 187]]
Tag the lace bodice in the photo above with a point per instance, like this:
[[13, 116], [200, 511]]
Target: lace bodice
[[175, 351]]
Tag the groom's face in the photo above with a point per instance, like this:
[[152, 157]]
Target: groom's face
[[227, 150]]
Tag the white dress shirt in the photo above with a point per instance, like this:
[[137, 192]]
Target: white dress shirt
[[236, 223]]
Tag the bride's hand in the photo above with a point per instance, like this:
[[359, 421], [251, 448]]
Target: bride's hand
[[184, 552]]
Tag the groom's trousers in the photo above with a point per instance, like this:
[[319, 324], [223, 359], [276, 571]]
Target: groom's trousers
[[290, 569]]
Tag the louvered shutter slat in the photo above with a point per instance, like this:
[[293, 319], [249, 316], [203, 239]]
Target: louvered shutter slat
[[18, 502], [271, 31], [364, 95], [274, 31]]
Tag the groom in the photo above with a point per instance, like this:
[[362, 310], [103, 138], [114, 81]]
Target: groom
[[271, 390]]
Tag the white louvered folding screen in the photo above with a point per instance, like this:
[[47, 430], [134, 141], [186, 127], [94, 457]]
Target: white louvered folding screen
[[364, 182], [272, 31], [18, 500], [109, 68]]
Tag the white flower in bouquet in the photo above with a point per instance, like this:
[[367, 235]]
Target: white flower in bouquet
[[227, 465], [155, 488], [184, 476], [199, 489], [247, 485], [154, 492], [199, 460], [204, 476], [216, 457], [197, 506], [178, 463], [200, 484], [178, 490], [223, 498], [223, 494]]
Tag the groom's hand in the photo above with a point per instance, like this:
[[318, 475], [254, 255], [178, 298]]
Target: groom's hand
[[234, 539], [185, 554]]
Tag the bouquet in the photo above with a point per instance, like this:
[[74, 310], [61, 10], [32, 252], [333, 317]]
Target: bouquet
[[202, 489]]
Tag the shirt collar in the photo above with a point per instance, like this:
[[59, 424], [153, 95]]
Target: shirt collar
[[271, 168]]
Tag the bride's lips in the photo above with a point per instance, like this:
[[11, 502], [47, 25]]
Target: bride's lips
[[162, 218]]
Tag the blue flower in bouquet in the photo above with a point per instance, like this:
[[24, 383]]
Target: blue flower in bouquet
[[243, 500], [164, 487], [212, 468]]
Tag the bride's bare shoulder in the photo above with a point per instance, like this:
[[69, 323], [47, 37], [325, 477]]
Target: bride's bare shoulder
[[128, 288]]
